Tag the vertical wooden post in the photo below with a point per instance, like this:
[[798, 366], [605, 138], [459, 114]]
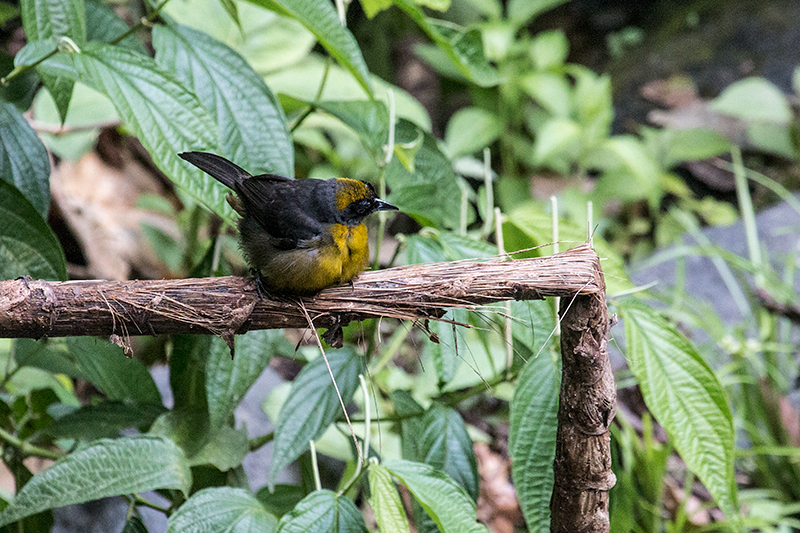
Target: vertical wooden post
[[587, 404]]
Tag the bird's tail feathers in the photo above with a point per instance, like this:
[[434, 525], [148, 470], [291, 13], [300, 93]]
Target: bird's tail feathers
[[219, 168]]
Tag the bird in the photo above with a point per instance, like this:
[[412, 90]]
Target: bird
[[298, 236]]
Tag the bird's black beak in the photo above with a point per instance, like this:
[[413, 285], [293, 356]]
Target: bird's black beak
[[381, 205]]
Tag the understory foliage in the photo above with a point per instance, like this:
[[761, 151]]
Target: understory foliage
[[282, 86]]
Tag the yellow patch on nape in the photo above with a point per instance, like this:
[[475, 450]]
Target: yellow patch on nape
[[349, 191]]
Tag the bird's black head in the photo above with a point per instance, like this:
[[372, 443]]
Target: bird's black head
[[355, 200]]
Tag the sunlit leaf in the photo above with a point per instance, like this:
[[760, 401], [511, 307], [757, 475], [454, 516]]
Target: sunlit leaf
[[685, 396]]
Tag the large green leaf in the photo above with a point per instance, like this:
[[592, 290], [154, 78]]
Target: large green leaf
[[532, 438], [446, 446], [28, 246], [23, 158], [470, 129], [157, 108], [46, 19], [385, 502], [431, 189], [321, 19], [252, 126], [685, 396], [754, 99], [227, 380], [442, 498], [108, 467], [323, 511], [107, 368], [463, 47], [313, 405], [104, 25], [222, 509]]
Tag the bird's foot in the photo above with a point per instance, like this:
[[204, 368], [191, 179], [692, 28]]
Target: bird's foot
[[261, 286]]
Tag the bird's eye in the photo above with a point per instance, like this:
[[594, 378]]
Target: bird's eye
[[362, 207]]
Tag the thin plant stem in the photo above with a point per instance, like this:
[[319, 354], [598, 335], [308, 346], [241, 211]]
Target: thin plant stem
[[367, 420], [315, 465], [28, 449], [748, 216]]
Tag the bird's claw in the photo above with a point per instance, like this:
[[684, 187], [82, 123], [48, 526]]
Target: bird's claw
[[261, 288]]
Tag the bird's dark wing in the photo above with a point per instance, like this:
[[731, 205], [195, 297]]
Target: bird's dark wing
[[283, 207]]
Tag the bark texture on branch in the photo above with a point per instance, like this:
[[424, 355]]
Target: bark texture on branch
[[587, 404], [230, 305]]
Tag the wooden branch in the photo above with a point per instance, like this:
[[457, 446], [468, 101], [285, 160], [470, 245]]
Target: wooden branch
[[587, 404], [230, 305]]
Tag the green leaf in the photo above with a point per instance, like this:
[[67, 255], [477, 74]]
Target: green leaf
[[450, 507], [373, 7], [252, 126], [106, 367], [549, 90], [558, 144], [28, 246], [43, 19], [532, 439], [227, 380], [323, 512], [23, 158], [431, 189], [754, 99], [46, 19], [108, 467], [676, 146], [385, 501], [470, 129], [463, 47], [221, 509], [520, 12], [8, 12], [549, 49], [281, 499], [685, 396], [134, 524], [104, 25], [446, 446], [446, 354], [105, 419], [163, 115], [313, 405], [369, 119], [630, 171], [321, 19], [225, 450]]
